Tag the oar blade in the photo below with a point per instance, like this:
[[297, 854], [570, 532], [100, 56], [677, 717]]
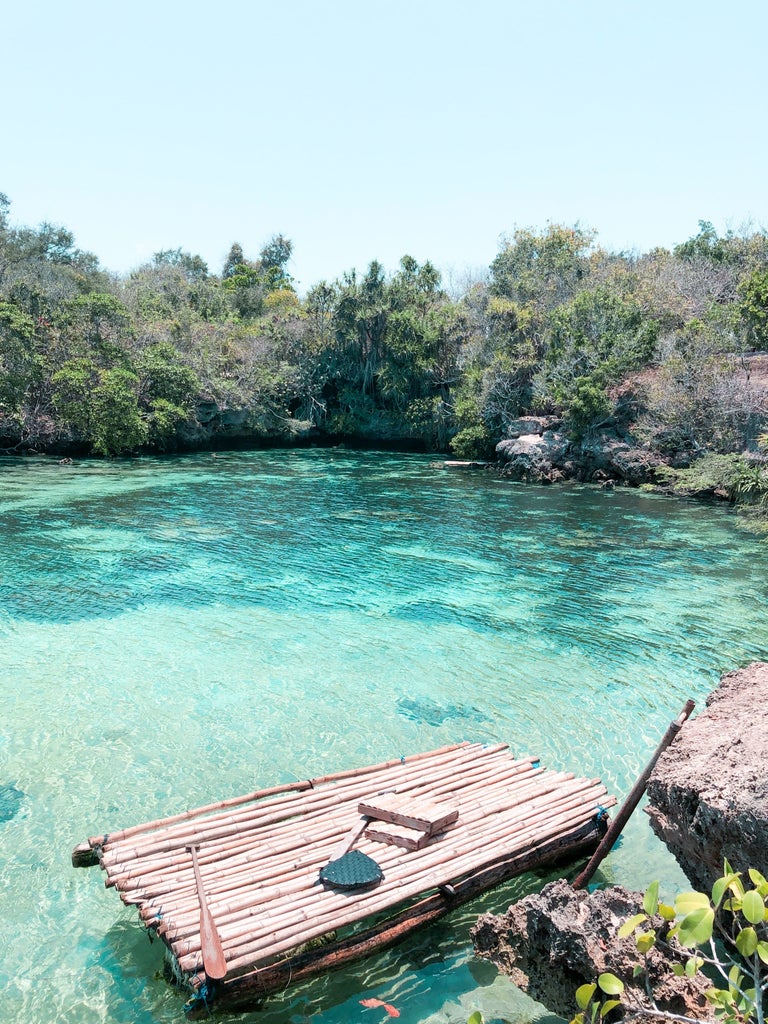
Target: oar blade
[[214, 961]]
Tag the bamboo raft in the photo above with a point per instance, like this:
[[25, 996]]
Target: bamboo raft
[[443, 826]]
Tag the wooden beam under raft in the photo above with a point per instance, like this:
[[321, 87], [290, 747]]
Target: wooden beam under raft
[[398, 844]]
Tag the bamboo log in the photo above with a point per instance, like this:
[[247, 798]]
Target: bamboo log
[[283, 937], [242, 993], [288, 806], [261, 793], [632, 800], [305, 903], [313, 859], [266, 849], [527, 800], [159, 858], [257, 901], [250, 896], [433, 864], [265, 945]]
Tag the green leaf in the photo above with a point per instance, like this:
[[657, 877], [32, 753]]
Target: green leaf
[[651, 899], [610, 984], [746, 941], [678, 970], [692, 965], [584, 994], [730, 881], [645, 941], [752, 907], [667, 912], [696, 927], [735, 977], [630, 924], [608, 1005], [637, 970], [475, 1018], [687, 902], [757, 878], [762, 951]]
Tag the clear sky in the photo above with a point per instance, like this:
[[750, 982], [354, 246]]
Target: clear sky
[[365, 130]]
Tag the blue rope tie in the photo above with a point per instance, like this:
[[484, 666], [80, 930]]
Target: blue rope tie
[[200, 997], [402, 759], [600, 813]]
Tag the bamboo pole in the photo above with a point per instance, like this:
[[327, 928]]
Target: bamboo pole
[[261, 793], [526, 798], [120, 867], [228, 888], [225, 901], [433, 873], [290, 805], [241, 993], [527, 802], [635, 795], [271, 943], [229, 855]]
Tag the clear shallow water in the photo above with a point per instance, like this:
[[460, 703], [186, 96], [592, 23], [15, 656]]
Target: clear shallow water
[[177, 631]]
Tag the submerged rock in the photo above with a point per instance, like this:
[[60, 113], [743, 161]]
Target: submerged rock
[[552, 942], [708, 794], [10, 802]]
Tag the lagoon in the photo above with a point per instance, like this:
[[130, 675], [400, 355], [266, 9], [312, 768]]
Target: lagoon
[[178, 630]]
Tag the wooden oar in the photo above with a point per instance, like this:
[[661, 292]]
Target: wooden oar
[[213, 954], [349, 839]]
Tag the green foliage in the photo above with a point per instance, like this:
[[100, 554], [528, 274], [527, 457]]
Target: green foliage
[[585, 403], [704, 246], [725, 932], [595, 1001], [558, 327], [99, 322], [726, 476], [19, 367], [543, 269], [473, 443], [194, 268], [100, 405], [753, 292], [165, 376]]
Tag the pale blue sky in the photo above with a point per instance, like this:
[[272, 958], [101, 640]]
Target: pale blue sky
[[367, 130]]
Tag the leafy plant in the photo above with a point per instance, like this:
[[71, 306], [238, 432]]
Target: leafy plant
[[724, 935]]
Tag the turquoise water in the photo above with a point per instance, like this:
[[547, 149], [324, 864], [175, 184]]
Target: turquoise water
[[177, 631]]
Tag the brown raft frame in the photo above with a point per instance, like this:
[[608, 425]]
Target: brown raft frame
[[260, 856]]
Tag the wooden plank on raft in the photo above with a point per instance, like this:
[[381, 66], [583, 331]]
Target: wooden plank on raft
[[422, 815], [397, 835]]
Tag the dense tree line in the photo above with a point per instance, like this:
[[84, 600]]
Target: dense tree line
[[657, 343]]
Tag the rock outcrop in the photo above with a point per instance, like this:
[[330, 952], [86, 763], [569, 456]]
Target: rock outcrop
[[552, 942], [708, 794], [538, 451]]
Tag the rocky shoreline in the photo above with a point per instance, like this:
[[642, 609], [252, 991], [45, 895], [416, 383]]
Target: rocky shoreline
[[538, 451]]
